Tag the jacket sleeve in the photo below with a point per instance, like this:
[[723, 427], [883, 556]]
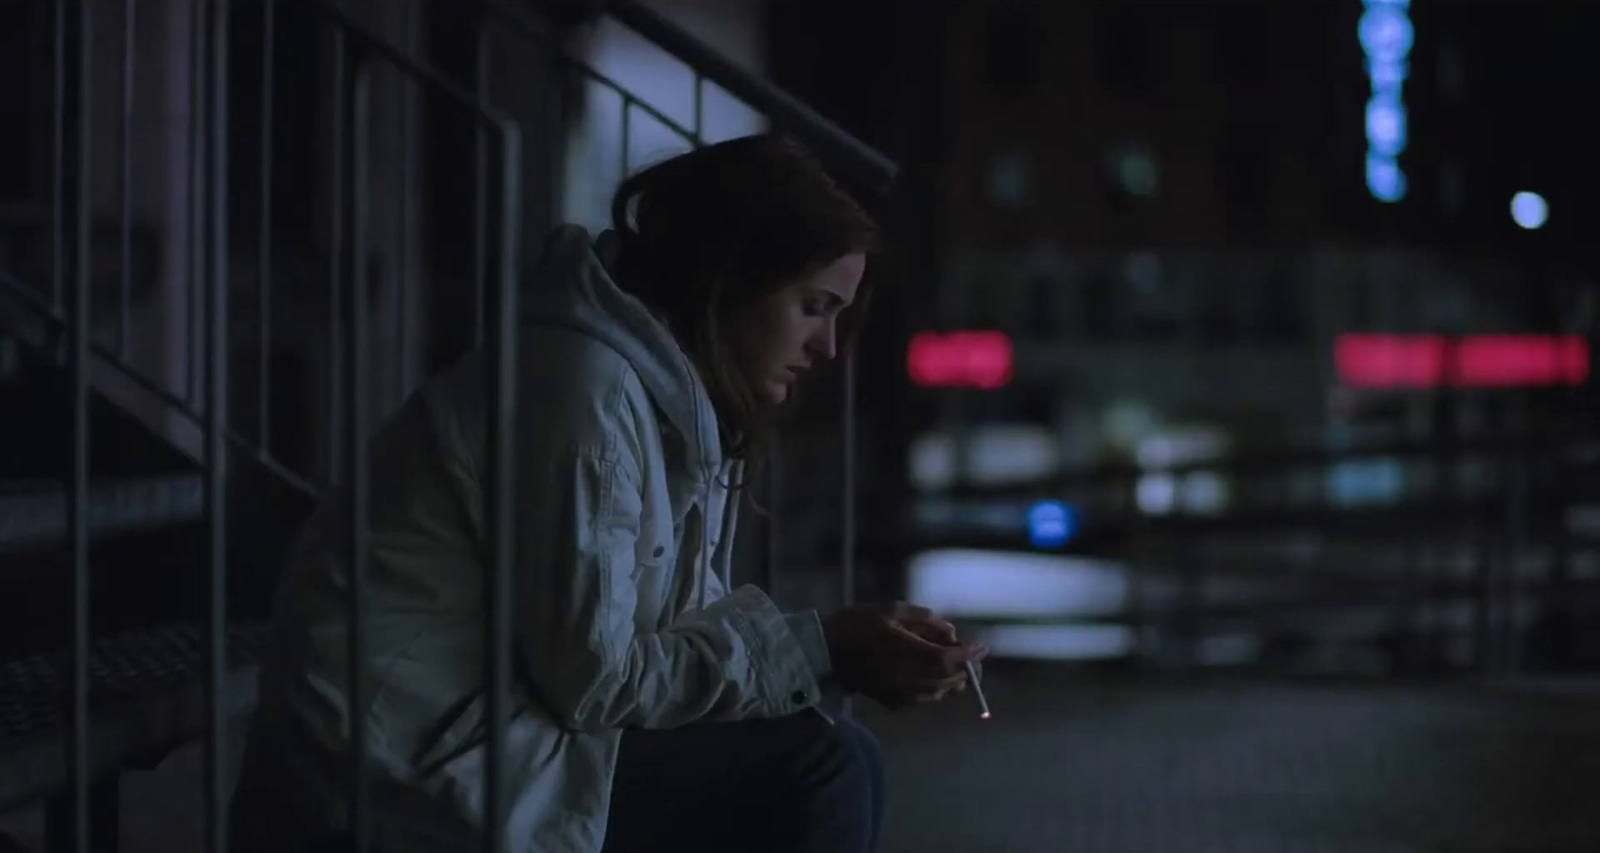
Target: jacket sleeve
[[805, 626], [590, 665]]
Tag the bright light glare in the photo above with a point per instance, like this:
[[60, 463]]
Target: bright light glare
[[1529, 210], [1059, 642], [1008, 584]]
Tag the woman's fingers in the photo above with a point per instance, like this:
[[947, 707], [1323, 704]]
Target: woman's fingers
[[933, 691], [923, 622], [937, 631]]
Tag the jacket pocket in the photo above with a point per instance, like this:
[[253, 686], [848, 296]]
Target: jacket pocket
[[460, 731]]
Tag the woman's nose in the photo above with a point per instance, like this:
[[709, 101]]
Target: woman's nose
[[825, 344]]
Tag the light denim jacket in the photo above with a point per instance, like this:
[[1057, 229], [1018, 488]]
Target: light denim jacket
[[623, 616]]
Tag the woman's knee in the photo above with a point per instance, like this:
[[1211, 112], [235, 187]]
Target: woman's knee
[[869, 757], [867, 752], [843, 749], [834, 789]]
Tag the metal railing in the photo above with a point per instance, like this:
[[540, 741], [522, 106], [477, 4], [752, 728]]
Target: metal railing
[[64, 314], [1499, 543]]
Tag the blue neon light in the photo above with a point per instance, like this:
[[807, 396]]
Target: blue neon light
[[1386, 35], [1051, 524]]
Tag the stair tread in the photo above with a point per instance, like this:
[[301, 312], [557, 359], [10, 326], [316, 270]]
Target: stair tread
[[34, 511], [148, 696]]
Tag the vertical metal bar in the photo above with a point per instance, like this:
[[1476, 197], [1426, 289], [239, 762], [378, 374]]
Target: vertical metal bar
[[125, 177], [699, 110], [193, 228], [78, 487], [501, 463], [1558, 599], [1483, 604], [769, 568], [1516, 540], [356, 467], [847, 502], [1137, 600], [216, 440], [627, 132], [480, 193], [269, 37], [555, 168], [1190, 603], [336, 261], [58, 177], [408, 168]]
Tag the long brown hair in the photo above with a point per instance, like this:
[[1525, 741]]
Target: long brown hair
[[707, 233]]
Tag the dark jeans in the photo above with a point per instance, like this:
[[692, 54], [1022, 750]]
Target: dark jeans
[[790, 785]]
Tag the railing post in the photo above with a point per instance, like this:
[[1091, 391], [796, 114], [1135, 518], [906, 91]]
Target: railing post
[[1516, 527], [195, 233], [58, 165], [407, 213], [773, 551], [217, 439], [625, 135], [78, 750], [847, 502], [125, 178], [357, 483], [480, 190], [337, 249], [500, 586], [269, 34]]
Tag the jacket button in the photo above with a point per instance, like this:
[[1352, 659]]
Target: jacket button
[[799, 697], [660, 549]]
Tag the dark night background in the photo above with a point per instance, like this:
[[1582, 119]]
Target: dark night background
[[1281, 511]]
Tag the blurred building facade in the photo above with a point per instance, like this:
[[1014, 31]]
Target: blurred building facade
[[1175, 192], [1167, 209]]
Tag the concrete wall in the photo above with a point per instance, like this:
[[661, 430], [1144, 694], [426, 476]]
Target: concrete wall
[[596, 158]]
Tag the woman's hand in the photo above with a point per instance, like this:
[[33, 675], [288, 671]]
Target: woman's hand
[[897, 654]]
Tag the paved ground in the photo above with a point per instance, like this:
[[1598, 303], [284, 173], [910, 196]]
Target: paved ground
[[1071, 764]]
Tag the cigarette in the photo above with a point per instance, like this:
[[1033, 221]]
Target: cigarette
[[983, 704]]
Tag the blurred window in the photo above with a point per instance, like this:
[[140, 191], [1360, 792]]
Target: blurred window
[[1126, 45], [997, 454], [1013, 50], [1010, 179], [1255, 48], [1281, 307], [1246, 167], [1043, 298]]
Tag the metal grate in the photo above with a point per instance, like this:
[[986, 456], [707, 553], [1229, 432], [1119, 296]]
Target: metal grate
[[122, 668]]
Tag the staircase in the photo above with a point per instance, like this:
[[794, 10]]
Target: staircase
[[300, 207]]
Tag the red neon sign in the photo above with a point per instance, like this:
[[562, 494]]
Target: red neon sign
[[959, 360], [1473, 361]]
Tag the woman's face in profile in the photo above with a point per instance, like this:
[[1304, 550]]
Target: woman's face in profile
[[795, 327]]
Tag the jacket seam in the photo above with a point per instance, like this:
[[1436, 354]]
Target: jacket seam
[[607, 557]]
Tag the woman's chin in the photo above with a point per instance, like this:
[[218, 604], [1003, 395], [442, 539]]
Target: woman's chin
[[776, 393]]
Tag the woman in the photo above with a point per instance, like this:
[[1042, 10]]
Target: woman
[[654, 708]]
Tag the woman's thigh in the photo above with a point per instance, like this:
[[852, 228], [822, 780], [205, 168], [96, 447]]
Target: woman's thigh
[[794, 783]]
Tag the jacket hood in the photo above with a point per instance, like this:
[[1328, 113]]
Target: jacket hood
[[572, 288]]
